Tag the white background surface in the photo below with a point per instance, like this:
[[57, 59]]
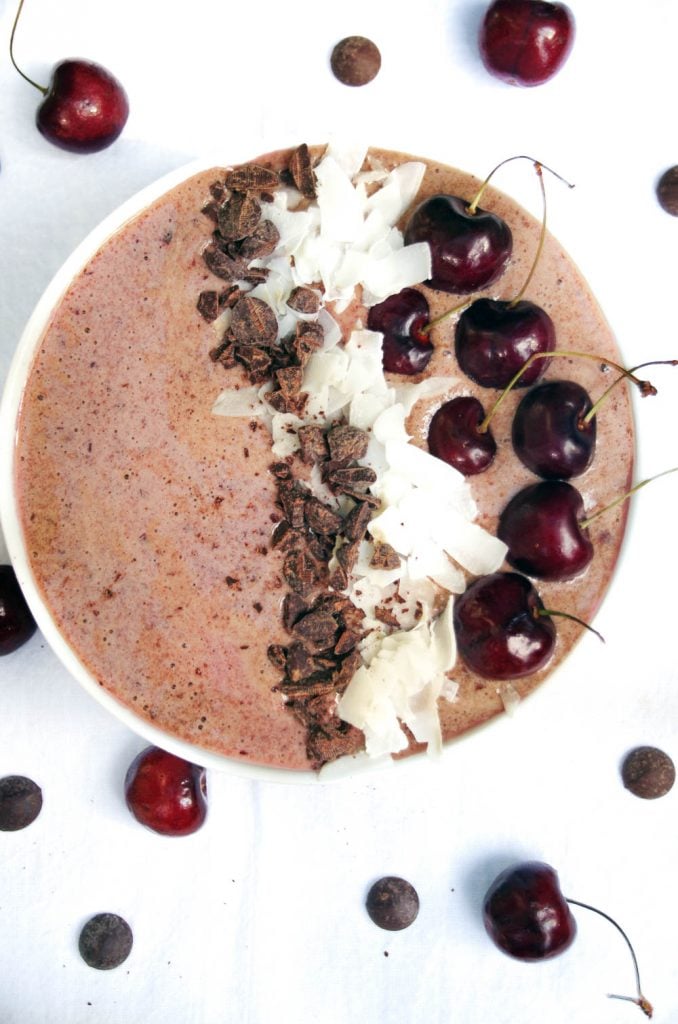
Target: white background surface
[[259, 918]]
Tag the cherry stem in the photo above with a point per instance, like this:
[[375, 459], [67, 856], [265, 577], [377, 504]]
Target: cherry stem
[[443, 316], [644, 386], [596, 406], [40, 88], [540, 244], [640, 999], [584, 523], [553, 613], [473, 206]]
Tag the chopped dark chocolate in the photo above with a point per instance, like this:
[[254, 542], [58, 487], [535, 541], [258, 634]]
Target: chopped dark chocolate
[[252, 178], [302, 572], [289, 380], [293, 608], [321, 518], [384, 557], [208, 305], [223, 265], [347, 555], [301, 169], [317, 630], [304, 300], [292, 496], [257, 362], [313, 444], [238, 216], [346, 442], [261, 243], [253, 322], [357, 520]]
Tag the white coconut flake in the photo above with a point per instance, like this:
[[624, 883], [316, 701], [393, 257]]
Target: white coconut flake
[[400, 269], [509, 697], [401, 686], [240, 402]]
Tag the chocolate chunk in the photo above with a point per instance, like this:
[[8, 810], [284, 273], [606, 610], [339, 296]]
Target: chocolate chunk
[[252, 178], [392, 903], [300, 663], [256, 275], [286, 538], [229, 296], [208, 305], [357, 520], [347, 555], [346, 442], [292, 496], [313, 444], [257, 362], [346, 642], [253, 322], [261, 243], [289, 380], [326, 743], [277, 655], [301, 169], [301, 572], [20, 802], [648, 772], [355, 60], [223, 265], [384, 557], [317, 631], [667, 191], [321, 518], [238, 216], [105, 941], [293, 608], [304, 300], [350, 480]]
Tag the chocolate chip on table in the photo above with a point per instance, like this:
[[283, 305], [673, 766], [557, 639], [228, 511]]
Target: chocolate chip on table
[[667, 191], [392, 903], [105, 941], [648, 772], [355, 60], [20, 802]]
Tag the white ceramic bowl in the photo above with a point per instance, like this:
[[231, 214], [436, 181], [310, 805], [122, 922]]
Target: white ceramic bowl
[[9, 411]]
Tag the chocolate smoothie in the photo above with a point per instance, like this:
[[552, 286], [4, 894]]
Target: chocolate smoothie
[[148, 519]]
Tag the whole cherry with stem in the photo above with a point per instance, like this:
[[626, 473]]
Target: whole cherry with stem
[[84, 108], [495, 337], [502, 628], [470, 246], [554, 428], [547, 532], [528, 917]]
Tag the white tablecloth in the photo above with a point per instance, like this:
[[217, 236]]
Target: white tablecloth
[[259, 917]]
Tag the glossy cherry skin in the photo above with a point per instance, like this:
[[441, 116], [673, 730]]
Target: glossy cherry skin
[[500, 631], [17, 624], [525, 42], [85, 108], [526, 914], [549, 434], [495, 338], [468, 250], [454, 436], [541, 526], [400, 318], [166, 793]]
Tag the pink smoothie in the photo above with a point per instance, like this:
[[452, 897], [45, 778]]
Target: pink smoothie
[[148, 519]]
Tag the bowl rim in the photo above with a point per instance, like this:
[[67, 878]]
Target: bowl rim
[[350, 766]]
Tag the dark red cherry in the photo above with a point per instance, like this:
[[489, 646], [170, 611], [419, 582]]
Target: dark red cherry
[[542, 527], [495, 338], [166, 793], [550, 435], [469, 248], [501, 628], [526, 914], [525, 42], [17, 624], [400, 318], [454, 436], [85, 108]]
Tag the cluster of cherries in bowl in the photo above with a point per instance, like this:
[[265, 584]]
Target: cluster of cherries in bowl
[[503, 630]]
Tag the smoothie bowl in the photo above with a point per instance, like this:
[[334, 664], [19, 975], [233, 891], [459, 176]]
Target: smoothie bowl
[[234, 498]]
